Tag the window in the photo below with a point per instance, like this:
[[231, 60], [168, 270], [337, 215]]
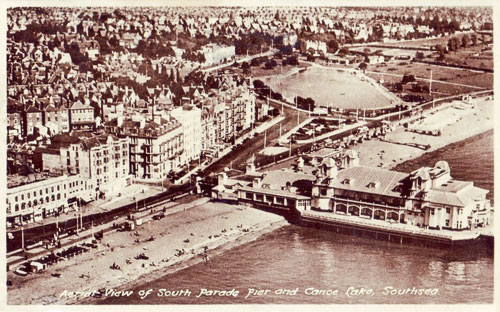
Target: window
[[447, 222], [448, 210], [323, 192], [432, 211]]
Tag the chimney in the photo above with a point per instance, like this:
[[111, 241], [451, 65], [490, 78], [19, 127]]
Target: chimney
[[257, 182]]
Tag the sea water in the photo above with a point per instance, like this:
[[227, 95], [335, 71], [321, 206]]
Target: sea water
[[302, 265]]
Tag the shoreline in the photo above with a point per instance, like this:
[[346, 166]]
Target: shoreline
[[437, 149], [217, 226], [192, 261], [460, 125]]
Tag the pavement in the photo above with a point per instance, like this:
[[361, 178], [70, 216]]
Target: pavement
[[37, 252], [131, 193]]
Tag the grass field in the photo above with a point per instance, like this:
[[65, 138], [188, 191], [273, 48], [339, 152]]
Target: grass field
[[440, 89], [464, 56], [441, 76]]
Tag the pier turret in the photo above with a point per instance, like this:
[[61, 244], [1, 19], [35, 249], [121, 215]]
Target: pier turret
[[329, 168], [350, 159]]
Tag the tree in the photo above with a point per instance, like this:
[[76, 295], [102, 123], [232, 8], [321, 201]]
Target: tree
[[363, 66], [293, 60], [271, 64], [255, 62], [465, 41], [453, 44], [309, 104], [333, 45], [287, 50], [407, 78], [419, 55], [440, 49], [474, 39], [344, 51], [398, 87]]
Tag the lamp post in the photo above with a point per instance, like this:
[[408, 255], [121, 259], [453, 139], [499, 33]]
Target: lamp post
[[22, 236]]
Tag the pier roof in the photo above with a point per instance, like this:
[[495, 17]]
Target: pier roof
[[460, 199], [370, 180], [279, 178]]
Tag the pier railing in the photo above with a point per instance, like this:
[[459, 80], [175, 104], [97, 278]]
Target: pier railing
[[396, 227]]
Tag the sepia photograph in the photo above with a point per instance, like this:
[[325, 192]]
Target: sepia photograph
[[248, 154]]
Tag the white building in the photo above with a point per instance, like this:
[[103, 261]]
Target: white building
[[30, 200], [189, 117], [428, 197], [216, 54], [156, 145]]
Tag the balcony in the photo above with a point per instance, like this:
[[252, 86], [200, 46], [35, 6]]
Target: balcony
[[366, 203]]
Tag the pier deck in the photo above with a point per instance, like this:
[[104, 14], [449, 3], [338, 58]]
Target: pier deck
[[386, 227]]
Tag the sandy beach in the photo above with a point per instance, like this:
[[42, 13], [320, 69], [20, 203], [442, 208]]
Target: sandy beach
[[192, 234], [457, 125]]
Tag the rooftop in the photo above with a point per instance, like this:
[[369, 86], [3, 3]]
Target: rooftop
[[370, 180], [20, 180]]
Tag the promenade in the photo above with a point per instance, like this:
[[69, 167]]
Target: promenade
[[190, 233]]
